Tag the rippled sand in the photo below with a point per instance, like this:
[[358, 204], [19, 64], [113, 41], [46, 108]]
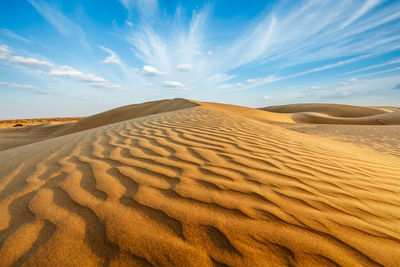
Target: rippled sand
[[206, 185]]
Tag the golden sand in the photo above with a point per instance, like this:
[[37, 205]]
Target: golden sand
[[200, 185]]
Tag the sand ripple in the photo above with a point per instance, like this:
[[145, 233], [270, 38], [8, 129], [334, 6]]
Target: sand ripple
[[197, 187]]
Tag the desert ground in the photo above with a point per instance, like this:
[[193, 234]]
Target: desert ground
[[185, 183]]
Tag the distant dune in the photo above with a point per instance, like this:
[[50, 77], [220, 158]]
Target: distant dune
[[29, 122], [338, 114], [335, 110], [186, 183]]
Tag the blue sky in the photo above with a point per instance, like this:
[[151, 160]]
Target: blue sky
[[76, 58]]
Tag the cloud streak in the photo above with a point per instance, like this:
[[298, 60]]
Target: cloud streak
[[59, 21], [28, 87], [113, 58], [15, 36], [368, 5]]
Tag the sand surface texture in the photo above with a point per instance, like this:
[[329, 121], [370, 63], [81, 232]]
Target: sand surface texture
[[374, 127], [206, 185]]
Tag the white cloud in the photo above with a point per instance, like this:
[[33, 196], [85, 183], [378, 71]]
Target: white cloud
[[129, 23], [6, 54], [28, 61], [25, 87], [66, 70], [175, 85], [184, 67], [75, 74], [251, 80], [239, 84], [266, 97], [15, 36], [113, 58], [151, 70]]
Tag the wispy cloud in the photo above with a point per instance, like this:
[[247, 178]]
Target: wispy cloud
[[113, 58], [275, 40], [146, 8], [28, 87], [380, 72], [181, 49], [368, 5], [13, 35], [59, 21], [391, 62]]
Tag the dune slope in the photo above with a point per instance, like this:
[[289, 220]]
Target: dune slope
[[198, 187], [14, 137]]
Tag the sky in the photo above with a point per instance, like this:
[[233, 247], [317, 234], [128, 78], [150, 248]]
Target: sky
[[77, 58]]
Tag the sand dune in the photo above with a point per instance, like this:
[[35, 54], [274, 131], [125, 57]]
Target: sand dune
[[339, 114], [127, 113], [335, 110], [14, 137], [206, 185], [389, 118]]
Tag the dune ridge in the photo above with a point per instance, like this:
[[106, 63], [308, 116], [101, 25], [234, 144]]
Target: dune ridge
[[198, 187]]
